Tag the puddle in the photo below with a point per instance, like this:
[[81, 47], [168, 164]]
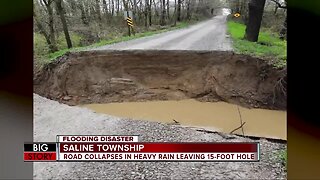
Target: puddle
[[219, 116]]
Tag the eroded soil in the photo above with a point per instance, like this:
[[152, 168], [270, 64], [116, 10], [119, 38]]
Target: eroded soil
[[127, 76]]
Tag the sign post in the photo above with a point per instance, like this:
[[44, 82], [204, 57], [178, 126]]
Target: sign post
[[129, 19]]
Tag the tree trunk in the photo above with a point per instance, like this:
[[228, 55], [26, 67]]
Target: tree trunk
[[256, 8], [98, 11], [188, 10], [83, 14], [156, 13], [175, 12], [163, 13], [64, 22], [52, 47], [146, 13], [134, 9], [168, 10], [238, 6], [112, 8], [125, 4], [118, 7], [150, 13], [283, 32], [141, 10], [105, 7], [87, 11], [109, 3], [73, 6], [179, 11], [51, 26]]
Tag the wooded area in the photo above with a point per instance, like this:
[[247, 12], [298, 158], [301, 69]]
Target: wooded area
[[90, 21], [268, 13]]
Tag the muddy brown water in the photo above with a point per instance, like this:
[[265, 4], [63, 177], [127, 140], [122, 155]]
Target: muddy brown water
[[216, 116]]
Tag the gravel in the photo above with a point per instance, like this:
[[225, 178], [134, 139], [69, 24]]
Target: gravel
[[206, 35], [52, 118]]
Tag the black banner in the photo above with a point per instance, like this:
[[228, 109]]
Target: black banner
[[40, 147]]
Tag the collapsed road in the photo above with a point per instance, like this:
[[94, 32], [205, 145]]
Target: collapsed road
[[122, 76], [118, 76]]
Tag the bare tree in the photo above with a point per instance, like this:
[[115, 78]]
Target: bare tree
[[51, 35], [188, 9], [83, 13], [118, 7], [83, 16], [283, 31], [42, 30], [64, 22], [146, 8], [179, 10], [125, 4], [49, 8], [134, 5], [97, 9], [150, 13], [73, 6], [105, 7], [168, 9], [112, 8], [175, 12], [163, 13]]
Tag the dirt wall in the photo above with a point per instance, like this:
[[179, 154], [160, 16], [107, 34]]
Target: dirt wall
[[118, 76]]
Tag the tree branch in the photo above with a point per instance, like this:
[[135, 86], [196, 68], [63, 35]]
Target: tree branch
[[238, 128], [279, 4]]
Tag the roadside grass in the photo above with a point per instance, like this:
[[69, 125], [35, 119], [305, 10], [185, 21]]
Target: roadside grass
[[138, 35], [283, 157], [43, 57], [269, 45]]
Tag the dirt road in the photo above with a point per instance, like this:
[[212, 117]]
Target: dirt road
[[207, 35]]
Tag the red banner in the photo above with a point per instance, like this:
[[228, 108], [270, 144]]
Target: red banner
[[39, 156], [159, 147]]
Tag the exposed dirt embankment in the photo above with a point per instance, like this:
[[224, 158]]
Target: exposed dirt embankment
[[116, 76]]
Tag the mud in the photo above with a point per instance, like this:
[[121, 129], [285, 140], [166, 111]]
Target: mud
[[131, 76], [216, 117]]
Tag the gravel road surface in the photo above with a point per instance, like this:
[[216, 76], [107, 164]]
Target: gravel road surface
[[52, 118], [207, 35]]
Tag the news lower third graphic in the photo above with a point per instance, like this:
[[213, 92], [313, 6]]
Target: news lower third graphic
[[128, 148]]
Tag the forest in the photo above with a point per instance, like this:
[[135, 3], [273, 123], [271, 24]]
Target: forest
[[60, 24]]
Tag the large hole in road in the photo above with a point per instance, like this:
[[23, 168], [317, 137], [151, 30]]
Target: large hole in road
[[232, 80]]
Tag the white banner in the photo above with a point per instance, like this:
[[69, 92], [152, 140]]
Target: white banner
[[95, 139]]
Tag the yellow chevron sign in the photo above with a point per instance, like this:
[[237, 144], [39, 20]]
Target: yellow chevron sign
[[130, 21], [237, 15]]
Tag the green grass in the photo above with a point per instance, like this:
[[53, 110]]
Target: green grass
[[269, 45], [43, 57], [41, 47], [138, 35], [283, 156]]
